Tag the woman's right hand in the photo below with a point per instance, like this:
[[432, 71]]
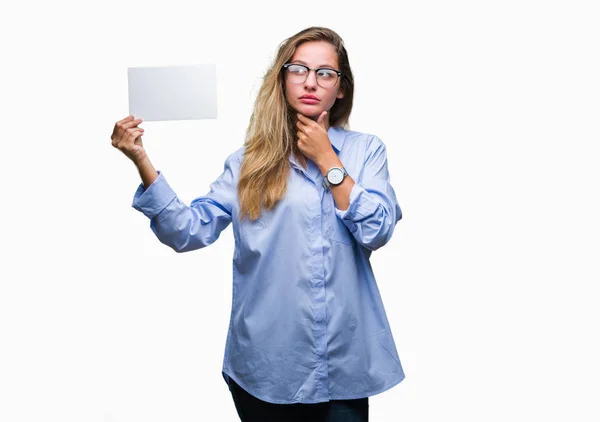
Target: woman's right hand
[[127, 137]]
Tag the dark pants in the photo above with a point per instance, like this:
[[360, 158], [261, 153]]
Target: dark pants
[[251, 409]]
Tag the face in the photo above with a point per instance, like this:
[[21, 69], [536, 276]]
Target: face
[[314, 54]]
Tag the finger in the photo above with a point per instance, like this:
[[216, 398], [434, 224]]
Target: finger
[[304, 133], [301, 126], [126, 138], [120, 135], [131, 123], [321, 118], [304, 119], [126, 119], [123, 125], [132, 138], [135, 133]]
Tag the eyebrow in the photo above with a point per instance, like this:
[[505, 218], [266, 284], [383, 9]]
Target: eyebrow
[[323, 65]]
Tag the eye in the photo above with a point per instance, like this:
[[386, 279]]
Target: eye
[[326, 73], [299, 70]]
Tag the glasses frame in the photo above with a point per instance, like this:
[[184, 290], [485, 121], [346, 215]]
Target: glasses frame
[[339, 74]]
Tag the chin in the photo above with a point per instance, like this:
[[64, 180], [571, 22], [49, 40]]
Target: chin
[[309, 110]]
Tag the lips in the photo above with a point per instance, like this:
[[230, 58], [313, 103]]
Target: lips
[[309, 99]]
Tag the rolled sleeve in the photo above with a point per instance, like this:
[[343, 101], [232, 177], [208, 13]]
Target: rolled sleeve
[[360, 205], [373, 210], [189, 227], [155, 198]]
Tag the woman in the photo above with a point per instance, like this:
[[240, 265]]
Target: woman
[[309, 200]]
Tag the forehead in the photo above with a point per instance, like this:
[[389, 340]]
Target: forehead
[[316, 54]]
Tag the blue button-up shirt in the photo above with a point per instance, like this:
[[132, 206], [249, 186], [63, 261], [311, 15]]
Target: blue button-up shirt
[[307, 321]]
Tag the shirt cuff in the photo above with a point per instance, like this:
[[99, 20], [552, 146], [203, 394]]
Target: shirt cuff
[[360, 205], [153, 200]]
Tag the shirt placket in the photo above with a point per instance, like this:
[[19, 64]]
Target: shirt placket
[[317, 279]]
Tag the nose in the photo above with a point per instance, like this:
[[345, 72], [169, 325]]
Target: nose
[[311, 79]]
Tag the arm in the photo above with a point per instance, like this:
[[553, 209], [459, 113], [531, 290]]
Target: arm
[[147, 172], [186, 228], [341, 192], [373, 210]]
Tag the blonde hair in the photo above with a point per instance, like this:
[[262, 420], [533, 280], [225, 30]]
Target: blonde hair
[[271, 133]]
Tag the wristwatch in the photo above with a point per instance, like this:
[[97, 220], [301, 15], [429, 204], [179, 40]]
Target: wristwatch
[[335, 176]]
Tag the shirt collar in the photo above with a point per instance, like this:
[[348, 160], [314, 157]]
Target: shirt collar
[[336, 135]]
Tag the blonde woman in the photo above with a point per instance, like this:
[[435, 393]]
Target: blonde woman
[[309, 200]]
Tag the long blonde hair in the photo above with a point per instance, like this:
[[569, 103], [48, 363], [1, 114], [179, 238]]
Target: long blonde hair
[[271, 133]]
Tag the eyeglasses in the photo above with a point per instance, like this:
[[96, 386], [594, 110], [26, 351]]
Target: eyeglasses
[[298, 73]]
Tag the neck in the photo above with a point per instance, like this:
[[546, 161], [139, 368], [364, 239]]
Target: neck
[[315, 118]]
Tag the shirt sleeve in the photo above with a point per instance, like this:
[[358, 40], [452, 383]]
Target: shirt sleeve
[[185, 228], [373, 210]]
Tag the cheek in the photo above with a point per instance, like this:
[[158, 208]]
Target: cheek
[[288, 92], [331, 99]]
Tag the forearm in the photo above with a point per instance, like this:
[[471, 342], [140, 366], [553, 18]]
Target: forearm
[[147, 172], [341, 192], [374, 211]]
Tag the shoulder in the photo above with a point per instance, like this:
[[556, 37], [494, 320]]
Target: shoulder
[[367, 142], [235, 158]]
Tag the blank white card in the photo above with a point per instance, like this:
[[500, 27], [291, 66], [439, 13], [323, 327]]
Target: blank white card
[[173, 92]]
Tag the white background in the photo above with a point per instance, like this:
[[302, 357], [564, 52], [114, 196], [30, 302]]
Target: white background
[[489, 111]]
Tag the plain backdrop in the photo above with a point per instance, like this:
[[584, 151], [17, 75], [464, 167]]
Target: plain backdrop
[[489, 111]]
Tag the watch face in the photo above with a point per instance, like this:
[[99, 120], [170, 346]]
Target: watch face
[[335, 176]]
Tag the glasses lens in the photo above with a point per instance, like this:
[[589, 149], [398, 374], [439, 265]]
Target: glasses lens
[[326, 78], [296, 74]]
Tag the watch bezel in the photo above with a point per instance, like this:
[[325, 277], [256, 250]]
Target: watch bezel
[[341, 169]]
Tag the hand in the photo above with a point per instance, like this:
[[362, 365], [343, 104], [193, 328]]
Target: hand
[[313, 140], [127, 137]]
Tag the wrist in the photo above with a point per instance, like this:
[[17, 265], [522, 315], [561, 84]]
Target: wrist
[[327, 161], [147, 172], [144, 162]]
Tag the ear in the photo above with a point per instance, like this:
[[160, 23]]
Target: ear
[[340, 94]]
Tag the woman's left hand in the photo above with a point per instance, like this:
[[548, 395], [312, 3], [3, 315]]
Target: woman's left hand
[[313, 140]]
